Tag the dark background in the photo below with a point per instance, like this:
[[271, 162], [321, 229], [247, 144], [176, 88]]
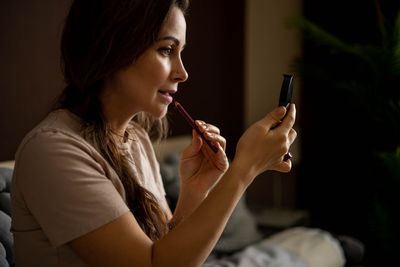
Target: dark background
[[30, 77], [339, 179], [334, 176], [214, 60]]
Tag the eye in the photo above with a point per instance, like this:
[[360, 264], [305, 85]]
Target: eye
[[166, 51]]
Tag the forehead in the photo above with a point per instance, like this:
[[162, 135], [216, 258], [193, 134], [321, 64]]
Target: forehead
[[174, 25]]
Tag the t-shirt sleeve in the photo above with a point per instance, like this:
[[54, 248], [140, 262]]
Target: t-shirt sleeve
[[65, 188]]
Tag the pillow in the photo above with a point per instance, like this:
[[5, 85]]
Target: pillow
[[5, 179], [240, 231], [3, 260], [169, 170]]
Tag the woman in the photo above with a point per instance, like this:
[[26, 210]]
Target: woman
[[86, 187]]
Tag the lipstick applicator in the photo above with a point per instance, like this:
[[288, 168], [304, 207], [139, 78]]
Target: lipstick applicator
[[193, 124]]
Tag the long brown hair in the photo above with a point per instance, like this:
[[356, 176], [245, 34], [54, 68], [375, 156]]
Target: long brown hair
[[101, 37]]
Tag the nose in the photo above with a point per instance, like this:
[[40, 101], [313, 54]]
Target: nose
[[179, 73]]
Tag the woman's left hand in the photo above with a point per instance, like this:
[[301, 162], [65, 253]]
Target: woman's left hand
[[200, 166]]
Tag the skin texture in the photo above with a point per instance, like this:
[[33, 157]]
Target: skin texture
[[200, 215]]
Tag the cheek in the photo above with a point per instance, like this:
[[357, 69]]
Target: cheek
[[127, 83], [146, 75], [156, 73]]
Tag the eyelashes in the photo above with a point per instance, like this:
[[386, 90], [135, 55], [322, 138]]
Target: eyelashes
[[170, 49], [166, 51]]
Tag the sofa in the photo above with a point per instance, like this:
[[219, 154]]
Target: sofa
[[6, 238]]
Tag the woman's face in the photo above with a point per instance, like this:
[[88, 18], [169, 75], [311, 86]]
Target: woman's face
[[148, 83]]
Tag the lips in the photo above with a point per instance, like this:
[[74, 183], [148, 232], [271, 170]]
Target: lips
[[167, 92], [163, 92], [166, 95]]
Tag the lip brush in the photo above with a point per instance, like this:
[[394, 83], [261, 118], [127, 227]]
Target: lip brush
[[193, 124]]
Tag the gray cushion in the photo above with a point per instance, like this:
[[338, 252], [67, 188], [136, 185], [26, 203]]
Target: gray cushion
[[240, 231], [6, 237], [5, 179], [5, 202]]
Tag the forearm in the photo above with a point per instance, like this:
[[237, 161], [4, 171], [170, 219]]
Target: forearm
[[190, 243], [190, 197], [187, 203]]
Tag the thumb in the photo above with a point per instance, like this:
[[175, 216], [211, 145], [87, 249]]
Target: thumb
[[194, 146], [274, 117]]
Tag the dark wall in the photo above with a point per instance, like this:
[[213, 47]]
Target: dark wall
[[30, 77], [214, 60], [29, 68]]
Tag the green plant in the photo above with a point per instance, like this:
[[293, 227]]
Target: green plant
[[369, 74]]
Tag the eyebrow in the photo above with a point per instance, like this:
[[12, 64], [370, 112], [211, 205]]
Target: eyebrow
[[172, 38]]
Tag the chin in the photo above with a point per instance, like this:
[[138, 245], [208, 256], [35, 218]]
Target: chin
[[159, 114]]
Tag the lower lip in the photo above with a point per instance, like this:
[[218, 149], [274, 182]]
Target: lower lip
[[166, 98]]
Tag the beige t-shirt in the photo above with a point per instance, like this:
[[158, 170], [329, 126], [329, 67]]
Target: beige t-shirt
[[63, 188]]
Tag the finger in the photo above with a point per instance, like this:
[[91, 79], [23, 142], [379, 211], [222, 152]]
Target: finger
[[285, 166], [216, 139], [219, 159], [290, 118], [194, 146], [274, 117], [292, 135], [281, 166], [207, 127]]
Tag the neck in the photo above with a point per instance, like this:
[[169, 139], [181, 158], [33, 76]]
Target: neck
[[116, 117]]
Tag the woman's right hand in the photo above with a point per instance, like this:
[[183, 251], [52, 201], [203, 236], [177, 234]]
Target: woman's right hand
[[261, 148]]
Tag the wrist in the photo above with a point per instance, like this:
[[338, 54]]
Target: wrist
[[245, 174], [188, 201], [191, 192]]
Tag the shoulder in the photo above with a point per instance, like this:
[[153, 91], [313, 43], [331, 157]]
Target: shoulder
[[60, 128], [55, 143]]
